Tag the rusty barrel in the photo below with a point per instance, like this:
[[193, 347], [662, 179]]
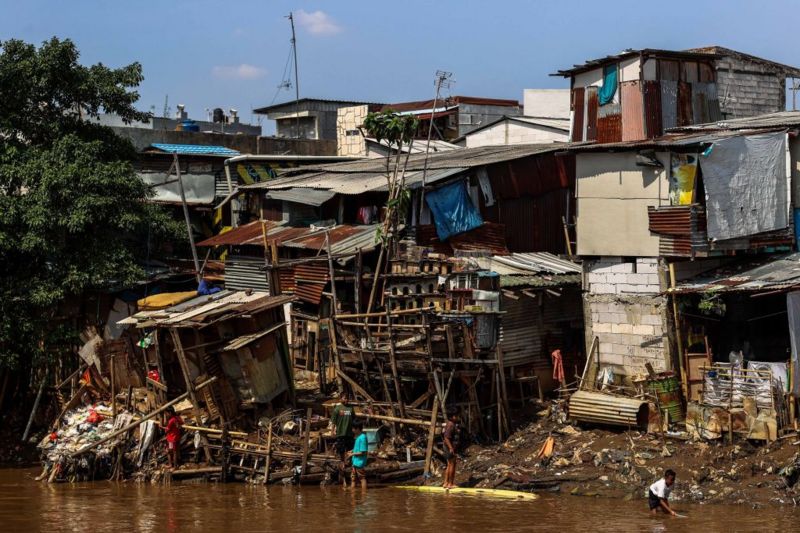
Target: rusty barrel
[[667, 389]]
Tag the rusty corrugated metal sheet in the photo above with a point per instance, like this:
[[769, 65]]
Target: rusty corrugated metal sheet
[[310, 280], [286, 275], [592, 105], [685, 112], [632, 111], [705, 104], [652, 109], [529, 177], [669, 70], [681, 230], [609, 128], [489, 237], [578, 111], [669, 104], [533, 224], [250, 233]]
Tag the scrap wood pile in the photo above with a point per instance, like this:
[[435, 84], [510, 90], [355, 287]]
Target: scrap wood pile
[[433, 345], [299, 448]]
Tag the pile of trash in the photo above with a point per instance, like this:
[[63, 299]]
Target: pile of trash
[[77, 429]]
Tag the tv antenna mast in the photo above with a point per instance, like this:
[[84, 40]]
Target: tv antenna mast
[[296, 80], [444, 80]]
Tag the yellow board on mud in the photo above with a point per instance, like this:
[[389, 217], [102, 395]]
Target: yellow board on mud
[[485, 493]]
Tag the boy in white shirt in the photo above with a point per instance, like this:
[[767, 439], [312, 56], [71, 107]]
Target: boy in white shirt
[[658, 495]]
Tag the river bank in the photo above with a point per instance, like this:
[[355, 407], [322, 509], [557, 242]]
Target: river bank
[[599, 462], [547, 454]]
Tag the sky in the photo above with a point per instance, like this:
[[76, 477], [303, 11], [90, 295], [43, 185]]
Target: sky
[[206, 54]]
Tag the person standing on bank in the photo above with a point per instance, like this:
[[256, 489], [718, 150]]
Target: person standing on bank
[[450, 440], [360, 455], [342, 420], [658, 495], [173, 430]]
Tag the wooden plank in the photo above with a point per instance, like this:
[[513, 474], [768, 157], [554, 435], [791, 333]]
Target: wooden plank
[[190, 389], [431, 437], [268, 463], [355, 385], [393, 365], [306, 440]]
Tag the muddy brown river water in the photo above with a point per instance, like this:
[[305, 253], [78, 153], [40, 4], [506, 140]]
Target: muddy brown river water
[[28, 505]]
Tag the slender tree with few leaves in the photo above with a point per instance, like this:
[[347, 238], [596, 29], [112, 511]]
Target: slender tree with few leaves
[[398, 131]]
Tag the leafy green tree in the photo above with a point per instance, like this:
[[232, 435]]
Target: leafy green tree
[[73, 213]]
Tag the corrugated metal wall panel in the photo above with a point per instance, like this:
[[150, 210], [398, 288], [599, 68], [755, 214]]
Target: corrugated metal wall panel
[[609, 129], [669, 70], [632, 111], [578, 107], [705, 105], [685, 113], [669, 104], [591, 113], [242, 272], [652, 110], [221, 185], [520, 336], [533, 224]]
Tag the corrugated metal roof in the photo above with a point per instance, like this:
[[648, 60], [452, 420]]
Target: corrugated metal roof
[[625, 54], [476, 100], [765, 274], [203, 308], [370, 175], [509, 280], [781, 119], [344, 238], [419, 147], [528, 263], [313, 197], [352, 183], [195, 149]]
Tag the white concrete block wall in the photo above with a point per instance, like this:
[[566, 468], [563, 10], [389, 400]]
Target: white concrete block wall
[[624, 308], [630, 330], [612, 275]]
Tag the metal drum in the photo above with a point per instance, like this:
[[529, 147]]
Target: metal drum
[[667, 389]]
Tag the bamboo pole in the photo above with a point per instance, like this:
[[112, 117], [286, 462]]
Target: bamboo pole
[[268, 463], [113, 390], [431, 436], [393, 365], [399, 420], [35, 406], [678, 336], [306, 439], [190, 389], [135, 424]]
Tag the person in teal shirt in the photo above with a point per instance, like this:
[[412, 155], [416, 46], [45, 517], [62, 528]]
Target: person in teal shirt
[[359, 455]]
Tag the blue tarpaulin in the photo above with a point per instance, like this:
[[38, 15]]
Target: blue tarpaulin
[[452, 210], [609, 88]]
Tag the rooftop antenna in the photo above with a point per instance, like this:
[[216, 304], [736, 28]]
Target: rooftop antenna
[[444, 79], [296, 81], [165, 113]]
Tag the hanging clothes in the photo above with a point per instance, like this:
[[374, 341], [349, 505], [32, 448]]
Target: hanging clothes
[[606, 93], [558, 366]]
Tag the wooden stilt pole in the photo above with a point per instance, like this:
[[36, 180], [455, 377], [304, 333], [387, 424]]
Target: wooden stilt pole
[[431, 437], [190, 389], [306, 439]]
